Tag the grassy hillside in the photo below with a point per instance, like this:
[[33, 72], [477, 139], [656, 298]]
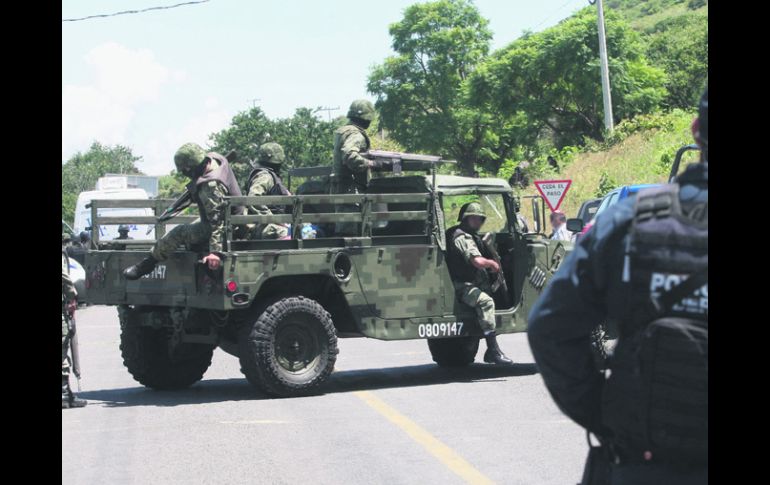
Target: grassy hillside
[[642, 152], [643, 15]]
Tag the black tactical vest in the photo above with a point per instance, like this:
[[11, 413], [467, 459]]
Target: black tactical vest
[[655, 400], [277, 189], [225, 176], [459, 268]]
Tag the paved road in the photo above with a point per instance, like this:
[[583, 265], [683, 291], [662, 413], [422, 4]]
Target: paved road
[[390, 416]]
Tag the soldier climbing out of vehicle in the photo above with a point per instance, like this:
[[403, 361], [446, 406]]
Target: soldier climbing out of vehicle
[[468, 267], [211, 180]]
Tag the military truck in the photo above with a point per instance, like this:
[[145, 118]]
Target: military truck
[[280, 305]]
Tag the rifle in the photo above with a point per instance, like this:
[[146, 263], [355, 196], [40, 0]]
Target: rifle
[[183, 201], [500, 277], [400, 161], [74, 347]]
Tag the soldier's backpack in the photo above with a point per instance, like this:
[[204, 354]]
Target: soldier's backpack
[[655, 400]]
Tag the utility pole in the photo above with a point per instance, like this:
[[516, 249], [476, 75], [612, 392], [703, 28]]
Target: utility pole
[[254, 102], [328, 111], [606, 94]]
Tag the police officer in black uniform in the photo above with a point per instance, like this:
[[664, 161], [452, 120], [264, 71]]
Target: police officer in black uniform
[[643, 267]]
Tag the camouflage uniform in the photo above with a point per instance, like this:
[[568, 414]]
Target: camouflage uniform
[[475, 294], [209, 228], [208, 190], [68, 293], [264, 180], [352, 171], [471, 283], [261, 184]]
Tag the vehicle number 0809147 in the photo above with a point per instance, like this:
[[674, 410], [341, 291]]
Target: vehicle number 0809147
[[430, 330]]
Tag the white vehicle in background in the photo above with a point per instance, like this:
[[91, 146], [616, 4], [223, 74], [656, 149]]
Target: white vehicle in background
[[78, 276], [77, 273], [110, 232]]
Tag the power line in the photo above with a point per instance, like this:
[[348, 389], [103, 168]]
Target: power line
[[550, 15], [134, 11], [328, 110]]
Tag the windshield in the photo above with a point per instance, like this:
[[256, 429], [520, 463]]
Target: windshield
[[608, 201], [492, 204]]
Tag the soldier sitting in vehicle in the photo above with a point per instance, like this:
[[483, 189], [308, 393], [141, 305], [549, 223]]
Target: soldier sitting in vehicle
[[265, 179], [212, 180], [468, 268]]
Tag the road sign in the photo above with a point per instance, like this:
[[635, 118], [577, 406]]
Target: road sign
[[553, 191]]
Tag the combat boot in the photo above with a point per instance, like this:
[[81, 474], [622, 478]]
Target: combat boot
[[144, 267], [68, 398], [494, 355]]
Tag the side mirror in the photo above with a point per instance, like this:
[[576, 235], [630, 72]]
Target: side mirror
[[536, 215], [574, 225]]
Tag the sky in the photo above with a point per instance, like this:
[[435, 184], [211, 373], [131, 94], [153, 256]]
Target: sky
[[153, 81]]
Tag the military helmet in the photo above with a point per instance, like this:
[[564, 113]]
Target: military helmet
[[471, 209], [362, 109], [189, 156], [271, 153], [123, 228], [85, 236]]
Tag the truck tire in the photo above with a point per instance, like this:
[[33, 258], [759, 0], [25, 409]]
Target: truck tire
[[145, 352], [290, 348], [453, 352]]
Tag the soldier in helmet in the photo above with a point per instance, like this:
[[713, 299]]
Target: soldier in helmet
[[77, 250], [468, 267], [352, 171], [211, 180], [69, 302], [123, 232], [265, 179], [123, 235], [85, 239]]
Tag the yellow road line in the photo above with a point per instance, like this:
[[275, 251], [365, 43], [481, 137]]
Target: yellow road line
[[256, 421], [442, 452]]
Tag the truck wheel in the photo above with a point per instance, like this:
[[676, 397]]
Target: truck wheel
[[453, 352], [146, 355], [290, 349]]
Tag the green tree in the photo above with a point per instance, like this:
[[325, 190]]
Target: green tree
[[306, 139], [247, 130], [82, 170], [550, 81], [172, 185], [421, 90], [680, 46]]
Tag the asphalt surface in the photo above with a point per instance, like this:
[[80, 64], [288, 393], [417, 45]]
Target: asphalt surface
[[389, 416]]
